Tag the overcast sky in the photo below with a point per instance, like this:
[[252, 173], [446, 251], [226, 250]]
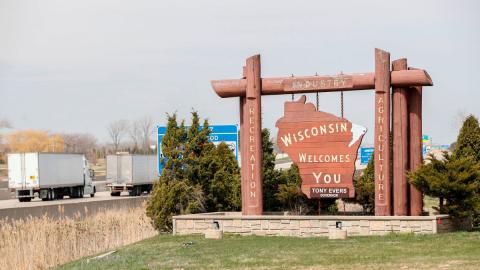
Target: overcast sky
[[75, 66]]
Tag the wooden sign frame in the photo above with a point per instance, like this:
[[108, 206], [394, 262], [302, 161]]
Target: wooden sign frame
[[405, 117]]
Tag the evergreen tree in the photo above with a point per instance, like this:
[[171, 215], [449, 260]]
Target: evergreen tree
[[173, 194], [173, 144], [289, 194], [468, 141], [197, 137], [281, 188], [365, 188], [223, 190], [457, 180], [271, 178], [175, 197], [197, 175], [198, 147], [214, 168]]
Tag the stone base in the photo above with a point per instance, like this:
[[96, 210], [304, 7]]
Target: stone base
[[335, 234], [213, 234], [308, 226]]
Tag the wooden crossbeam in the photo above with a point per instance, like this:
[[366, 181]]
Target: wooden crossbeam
[[307, 84]]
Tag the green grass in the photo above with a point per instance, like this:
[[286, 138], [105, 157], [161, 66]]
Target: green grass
[[444, 251]]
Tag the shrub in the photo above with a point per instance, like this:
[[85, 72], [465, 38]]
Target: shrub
[[197, 175], [272, 179], [290, 196], [457, 180], [365, 188], [173, 198], [223, 190]]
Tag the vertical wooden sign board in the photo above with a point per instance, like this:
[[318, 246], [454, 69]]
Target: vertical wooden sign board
[[251, 140], [382, 133], [400, 144], [415, 118]]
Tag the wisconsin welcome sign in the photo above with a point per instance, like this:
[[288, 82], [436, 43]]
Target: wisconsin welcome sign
[[323, 146]]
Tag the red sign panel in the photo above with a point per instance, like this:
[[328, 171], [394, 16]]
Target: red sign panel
[[323, 146]]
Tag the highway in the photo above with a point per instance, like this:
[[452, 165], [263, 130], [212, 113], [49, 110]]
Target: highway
[[13, 209], [5, 193], [99, 196]]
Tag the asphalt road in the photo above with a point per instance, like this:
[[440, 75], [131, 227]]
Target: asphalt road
[[5, 193], [99, 196], [13, 209]]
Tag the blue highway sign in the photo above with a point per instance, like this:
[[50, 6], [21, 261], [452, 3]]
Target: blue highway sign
[[365, 155], [218, 134]]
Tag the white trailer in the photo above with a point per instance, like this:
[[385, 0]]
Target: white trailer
[[132, 173], [49, 176]]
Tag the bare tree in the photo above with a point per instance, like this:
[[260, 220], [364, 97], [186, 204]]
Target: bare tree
[[146, 128], [81, 143], [135, 134], [116, 131], [4, 123]]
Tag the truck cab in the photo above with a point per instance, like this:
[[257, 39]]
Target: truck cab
[[89, 175]]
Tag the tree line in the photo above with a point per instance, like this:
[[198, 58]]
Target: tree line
[[134, 136]]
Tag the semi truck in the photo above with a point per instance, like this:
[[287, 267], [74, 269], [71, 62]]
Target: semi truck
[[132, 173], [49, 176]]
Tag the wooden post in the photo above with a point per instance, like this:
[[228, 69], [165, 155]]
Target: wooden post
[[416, 160], [400, 144], [382, 133], [251, 140]]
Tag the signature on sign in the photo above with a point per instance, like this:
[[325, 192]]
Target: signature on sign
[[318, 192]]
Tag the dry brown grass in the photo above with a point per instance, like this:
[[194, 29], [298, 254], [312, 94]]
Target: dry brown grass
[[40, 243]]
